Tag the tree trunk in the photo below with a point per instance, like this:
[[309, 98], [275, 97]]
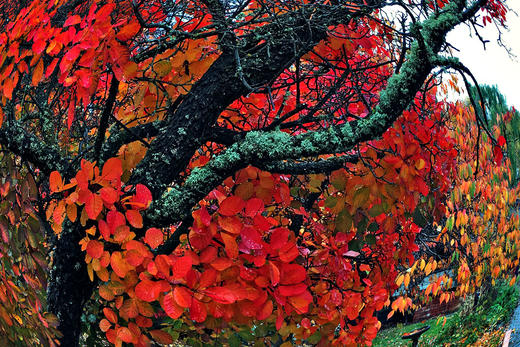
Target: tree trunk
[[69, 285]]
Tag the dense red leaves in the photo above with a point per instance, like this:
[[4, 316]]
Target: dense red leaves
[[243, 258]]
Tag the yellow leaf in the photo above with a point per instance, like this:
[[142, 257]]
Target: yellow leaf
[[407, 280]]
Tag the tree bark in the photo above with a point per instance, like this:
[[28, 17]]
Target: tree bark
[[69, 284]]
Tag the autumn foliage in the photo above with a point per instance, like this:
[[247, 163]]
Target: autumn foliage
[[309, 254]]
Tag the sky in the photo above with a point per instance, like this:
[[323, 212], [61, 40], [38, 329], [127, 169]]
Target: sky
[[493, 65]]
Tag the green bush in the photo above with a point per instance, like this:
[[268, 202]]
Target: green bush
[[493, 310]]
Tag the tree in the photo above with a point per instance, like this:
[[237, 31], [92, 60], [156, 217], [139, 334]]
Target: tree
[[498, 112], [217, 163]]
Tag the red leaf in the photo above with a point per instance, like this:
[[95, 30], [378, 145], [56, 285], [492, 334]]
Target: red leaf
[[274, 273], [292, 290], [292, 274], [143, 195], [183, 297], [198, 311], [254, 207], [181, 266], [154, 237], [231, 206], [146, 290], [109, 195], [265, 311], [279, 237], [221, 295], [170, 306], [72, 21], [201, 217], [95, 249], [207, 278], [288, 252], [501, 140], [251, 238], [497, 152]]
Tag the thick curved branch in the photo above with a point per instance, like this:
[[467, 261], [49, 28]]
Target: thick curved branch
[[284, 41], [307, 167], [176, 204]]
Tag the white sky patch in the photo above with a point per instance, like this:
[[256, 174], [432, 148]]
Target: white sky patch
[[493, 66]]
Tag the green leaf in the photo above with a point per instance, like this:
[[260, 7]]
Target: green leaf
[[354, 245], [376, 210], [314, 338], [370, 239], [343, 221], [234, 341], [331, 201], [360, 197]]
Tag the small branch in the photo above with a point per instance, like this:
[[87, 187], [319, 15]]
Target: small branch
[[103, 123]]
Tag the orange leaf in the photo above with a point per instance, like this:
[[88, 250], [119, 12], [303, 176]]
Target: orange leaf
[[112, 169], [230, 224], [72, 212], [93, 206], [231, 246], [161, 337], [37, 73], [55, 182], [221, 264], [128, 31], [111, 316], [119, 265], [134, 218], [154, 237], [125, 334], [104, 325]]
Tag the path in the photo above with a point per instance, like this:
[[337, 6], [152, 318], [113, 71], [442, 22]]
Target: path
[[515, 325]]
